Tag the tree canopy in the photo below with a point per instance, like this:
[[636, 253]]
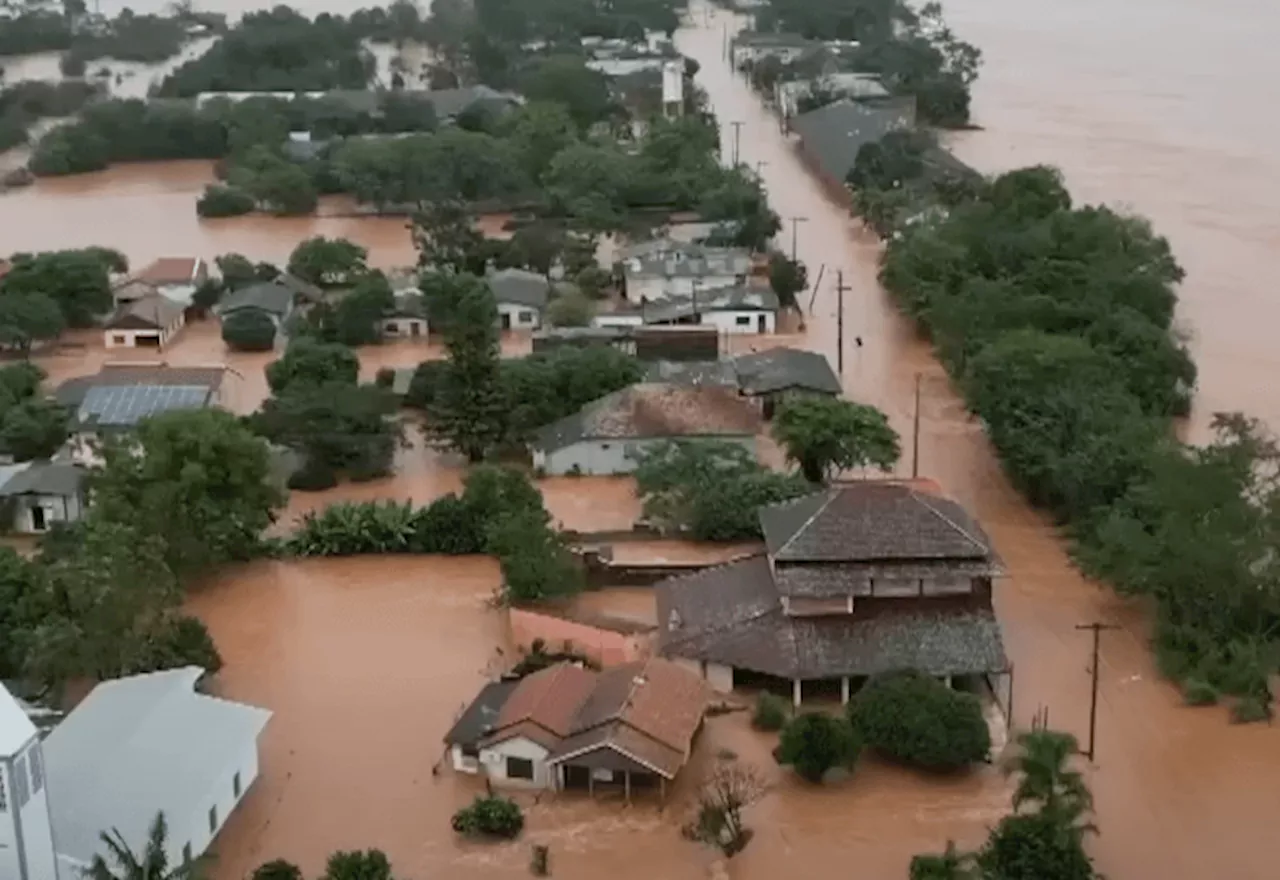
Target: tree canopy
[[327, 261], [78, 281], [813, 743], [307, 360], [826, 435]]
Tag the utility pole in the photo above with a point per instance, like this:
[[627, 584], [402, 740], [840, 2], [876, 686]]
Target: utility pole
[[795, 222], [737, 137], [840, 291], [915, 434], [1093, 699]]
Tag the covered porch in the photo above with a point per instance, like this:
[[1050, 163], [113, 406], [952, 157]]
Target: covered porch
[[604, 770]]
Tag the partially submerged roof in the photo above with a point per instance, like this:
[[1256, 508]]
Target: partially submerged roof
[[171, 270], [481, 716], [655, 410], [697, 261], [153, 311], [44, 478], [833, 135], [16, 729], [123, 406], [735, 298], [732, 615], [273, 297], [784, 368], [695, 373], [71, 393], [133, 289], [137, 746], [872, 521], [519, 287]]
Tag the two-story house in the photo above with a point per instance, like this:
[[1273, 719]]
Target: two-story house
[[681, 272], [856, 580]]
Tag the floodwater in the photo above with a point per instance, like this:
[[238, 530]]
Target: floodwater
[[1158, 106]]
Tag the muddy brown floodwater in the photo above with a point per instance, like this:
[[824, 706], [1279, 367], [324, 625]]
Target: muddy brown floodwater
[[1158, 105]]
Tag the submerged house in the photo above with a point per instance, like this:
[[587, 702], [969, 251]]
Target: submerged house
[[858, 579], [567, 727], [605, 436], [34, 495], [831, 136]]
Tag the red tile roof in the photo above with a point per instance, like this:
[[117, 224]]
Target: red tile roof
[[548, 700]]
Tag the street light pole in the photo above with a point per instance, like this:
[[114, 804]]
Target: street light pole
[[737, 138], [915, 434], [1093, 698], [795, 223]]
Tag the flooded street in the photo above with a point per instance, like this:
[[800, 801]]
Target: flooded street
[[365, 662]]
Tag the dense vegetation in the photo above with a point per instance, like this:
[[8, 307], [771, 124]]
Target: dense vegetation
[[710, 490], [188, 491], [826, 435], [1056, 321], [813, 743], [916, 719], [24, 103], [1043, 838], [913, 51], [499, 512], [31, 426], [76, 282]]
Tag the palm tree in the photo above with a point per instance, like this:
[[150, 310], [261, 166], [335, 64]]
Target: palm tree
[[151, 864], [1045, 779]]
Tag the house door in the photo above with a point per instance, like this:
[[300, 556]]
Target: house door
[[761, 323], [38, 521], [415, 329], [506, 321]]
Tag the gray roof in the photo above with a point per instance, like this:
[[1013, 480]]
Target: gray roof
[[783, 368], [872, 521], [71, 393], [732, 615], [449, 103], [697, 261], [693, 373], [655, 410], [273, 297], [479, 718], [409, 304], [137, 746], [44, 478], [721, 299], [833, 135], [123, 406], [519, 287], [154, 310]]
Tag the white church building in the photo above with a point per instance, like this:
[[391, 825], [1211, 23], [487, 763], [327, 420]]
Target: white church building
[[135, 747]]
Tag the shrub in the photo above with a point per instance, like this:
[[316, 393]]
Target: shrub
[[313, 476], [491, 816], [224, 201], [771, 712], [249, 330], [184, 642], [1251, 709], [1198, 692], [447, 525], [1035, 846], [813, 743], [277, 869], [368, 864], [425, 383], [914, 718]]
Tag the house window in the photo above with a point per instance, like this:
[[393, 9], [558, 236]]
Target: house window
[[235, 785], [391, 327], [213, 820], [519, 768], [526, 317], [186, 853], [743, 320], [117, 339], [37, 768]]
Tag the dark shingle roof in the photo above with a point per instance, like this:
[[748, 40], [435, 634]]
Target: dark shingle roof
[[269, 296], [872, 521], [481, 715], [731, 614], [519, 286], [833, 135], [45, 478], [655, 410], [779, 369]]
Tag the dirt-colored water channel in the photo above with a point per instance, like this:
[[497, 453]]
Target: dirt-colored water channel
[[365, 662]]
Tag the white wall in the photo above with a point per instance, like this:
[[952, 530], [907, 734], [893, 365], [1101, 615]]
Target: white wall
[[29, 822], [607, 320], [521, 317], [403, 327], [494, 760], [129, 338], [655, 287], [461, 763], [728, 322], [604, 457], [194, 828], [23, 522]]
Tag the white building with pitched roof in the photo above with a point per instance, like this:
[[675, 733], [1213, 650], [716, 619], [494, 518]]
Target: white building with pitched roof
[[26, 835], [143, 745]]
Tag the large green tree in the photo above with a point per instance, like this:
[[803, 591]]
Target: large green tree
[[196, 480], [470, 411], [308, 360], [26, 318], [336, 426], [77, 280], [826, 435], [323, 260]]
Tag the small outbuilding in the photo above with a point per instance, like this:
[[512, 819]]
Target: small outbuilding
[[149, 322], [176, 278], [521, 297], [408, 318], [37, 494]]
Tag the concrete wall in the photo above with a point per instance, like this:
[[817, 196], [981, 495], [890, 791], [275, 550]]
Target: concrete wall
[[494, 760], [606, 647], [194, 828], [404, 327], [741, 322], [656, 287], [719, 677], [54, 511], [461, 763], [129, 338], [519, 317]]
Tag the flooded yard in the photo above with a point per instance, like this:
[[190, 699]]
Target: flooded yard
[[366, 663]]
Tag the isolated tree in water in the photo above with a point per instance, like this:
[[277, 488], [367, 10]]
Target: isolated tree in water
[[469, 412], [825, 435]]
